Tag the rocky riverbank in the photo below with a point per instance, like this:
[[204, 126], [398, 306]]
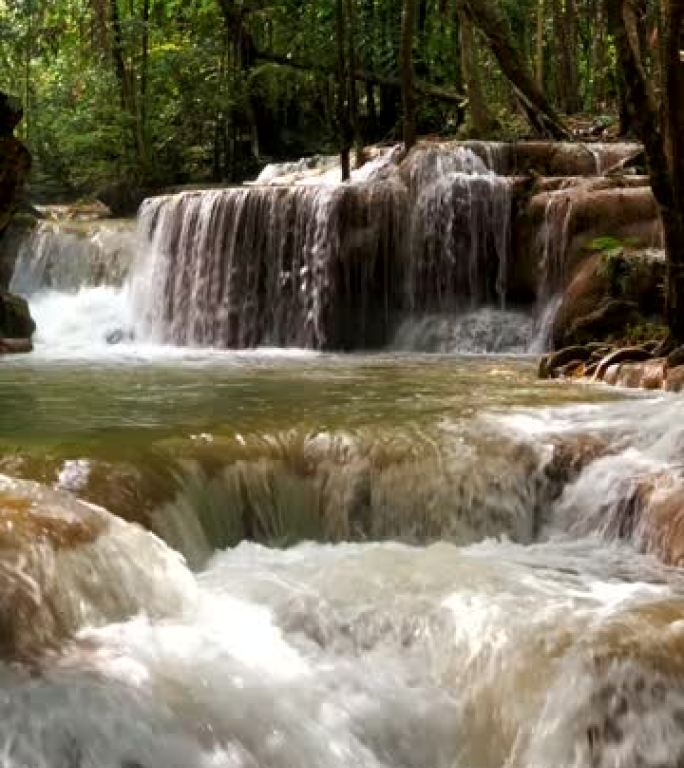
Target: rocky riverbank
[[644, 366]]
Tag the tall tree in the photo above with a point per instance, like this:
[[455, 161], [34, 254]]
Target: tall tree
[[408, 86], [489, 17], [481, 120], [659, 125]]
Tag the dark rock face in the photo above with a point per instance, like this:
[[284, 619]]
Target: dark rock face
[[11, 113], [15, 162], [15, 319]]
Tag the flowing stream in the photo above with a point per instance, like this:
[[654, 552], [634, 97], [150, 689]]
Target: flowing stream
[[281, 556]]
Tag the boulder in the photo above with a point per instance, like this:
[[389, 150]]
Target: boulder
[[568, 355], [65, 565], [15, 318], [611, 291], [553, 229], [612, 372]]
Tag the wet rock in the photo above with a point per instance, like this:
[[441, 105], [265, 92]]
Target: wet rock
[[612, 318], [611, 374], [65, 564], [675, 379], [676, 357], [568, 355], [15, 346], [571, 455], [632, 277], [564, 158], [115, 337], [557, 228], [624, 355], [122, 198], [15, 318], [661, 527], [543, 371], [575, 369], [646, 375]]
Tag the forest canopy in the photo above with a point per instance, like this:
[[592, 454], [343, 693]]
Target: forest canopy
[[172, 91]]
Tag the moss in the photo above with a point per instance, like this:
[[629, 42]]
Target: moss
[[641, 333]]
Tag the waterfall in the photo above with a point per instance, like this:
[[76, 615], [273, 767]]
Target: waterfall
[[69, 256], [459, 233], [256, 266], [320, 264], [74, 274], [413, 252]]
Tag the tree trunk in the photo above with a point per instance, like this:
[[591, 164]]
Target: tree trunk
[[565, 32], [343, 126], [480, 118], [541, 19], [408, 88], [673, 117], [663, 140], [490, 19], [351, 84]]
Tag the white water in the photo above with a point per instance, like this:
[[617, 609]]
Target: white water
[[563, 653], [480, 332]]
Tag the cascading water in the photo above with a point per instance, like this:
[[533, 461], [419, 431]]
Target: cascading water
[[287, 265], [74, 275], [563, 649], [413, 253]]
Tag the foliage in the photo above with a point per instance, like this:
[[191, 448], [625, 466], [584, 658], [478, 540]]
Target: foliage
[[172, 91]]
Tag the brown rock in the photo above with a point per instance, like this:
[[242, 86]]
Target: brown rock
[[610, 375], [675, 379], [574, 370], [65, 564], [611, 318], [646, 375], [543, 371], [661, 528], [15, 346], [567, 355], [624, 355]]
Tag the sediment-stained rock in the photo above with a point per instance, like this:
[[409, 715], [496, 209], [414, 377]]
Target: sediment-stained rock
[[65, 564]]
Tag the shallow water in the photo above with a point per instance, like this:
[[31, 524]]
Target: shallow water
[[471, 651]]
